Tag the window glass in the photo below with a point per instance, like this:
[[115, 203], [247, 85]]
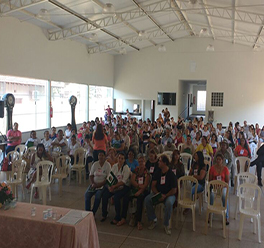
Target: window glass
[[201, 100], [30, 108], [99, 98]]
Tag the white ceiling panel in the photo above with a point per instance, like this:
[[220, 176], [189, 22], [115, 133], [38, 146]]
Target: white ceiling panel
[[238, 21]]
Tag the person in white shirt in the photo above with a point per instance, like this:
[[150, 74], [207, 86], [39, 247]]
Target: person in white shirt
[[72, 148], [68, 131], [205, 132], [60, 142], [33, 140], [193, 132], [98, 174], [197, 141], [120, 191], [47, 141]]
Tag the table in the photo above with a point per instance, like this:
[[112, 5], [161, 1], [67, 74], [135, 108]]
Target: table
[[19, 229]]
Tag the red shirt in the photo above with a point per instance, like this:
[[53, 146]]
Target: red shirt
[[216, 176], [13, 133], [100, 144], [242, 152]]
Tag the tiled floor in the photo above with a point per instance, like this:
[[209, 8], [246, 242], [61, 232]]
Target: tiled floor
[[182, 237]]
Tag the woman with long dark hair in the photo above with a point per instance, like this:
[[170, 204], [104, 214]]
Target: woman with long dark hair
[[100, 141], [176, 165], [198, 171]]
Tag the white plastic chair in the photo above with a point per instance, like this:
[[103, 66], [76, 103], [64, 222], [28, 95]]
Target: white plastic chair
[[180, 147], [61, 170], [43, 179], [185, 197], [208, 161], [218, 190], [21, 149], [12, 157], [187, 161], [16, 176], [243, 163], [244, 177], [79, 164], [249, 206]]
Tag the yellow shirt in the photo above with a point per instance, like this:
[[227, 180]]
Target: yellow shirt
[[205, 149]]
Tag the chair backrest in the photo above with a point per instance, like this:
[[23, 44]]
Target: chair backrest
[[56, 149], [44, 171], [249, 198], [243, 162], [168, 154], [21, 150], [18, 167], [62, 164], [185, 185], [79, 156], [246, 177], [217, 189], [208, 161], [1, 152], [186, 159], [32, 149], [12, 156], [180, 146]]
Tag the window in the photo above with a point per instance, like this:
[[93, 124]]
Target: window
[[99, 98], [30, 110], [60, 94], [217, 99], [201, 100]]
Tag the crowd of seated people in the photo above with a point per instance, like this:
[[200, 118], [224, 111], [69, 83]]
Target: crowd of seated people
[[133, 151]]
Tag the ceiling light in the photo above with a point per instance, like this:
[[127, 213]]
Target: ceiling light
[[204, 32], [257, 48], [210, 48], [109, 8], [44, 15], [123, 51], [142, 35], [162, 49], [193, 2], [93, 37]]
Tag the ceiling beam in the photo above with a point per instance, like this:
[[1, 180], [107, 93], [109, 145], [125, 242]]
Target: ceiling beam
[[151, 18], [109, 20], [81, 17], [234, 18], [208, 18], [131, 27], [181, 16], [132, 39], [9, 7], [227, 14]]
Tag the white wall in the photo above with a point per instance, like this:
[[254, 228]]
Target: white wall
[[233, 69], [129, 104], [26, 52]]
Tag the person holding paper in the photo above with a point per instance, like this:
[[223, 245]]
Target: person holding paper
[[98, 174], [119, 190], [164, 187], [140, 181]]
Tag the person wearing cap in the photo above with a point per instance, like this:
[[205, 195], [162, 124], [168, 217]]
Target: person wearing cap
[[227, 161], [152, 145], [159, 146], [169, 146]]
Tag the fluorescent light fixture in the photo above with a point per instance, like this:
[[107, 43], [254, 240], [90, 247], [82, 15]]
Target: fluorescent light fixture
[[162, 49], [123, 51], [109, 8], [210, 48], [204, 32], [142, 35], [44, 15]]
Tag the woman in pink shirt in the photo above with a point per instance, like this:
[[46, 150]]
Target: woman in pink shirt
[[14, 137]]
